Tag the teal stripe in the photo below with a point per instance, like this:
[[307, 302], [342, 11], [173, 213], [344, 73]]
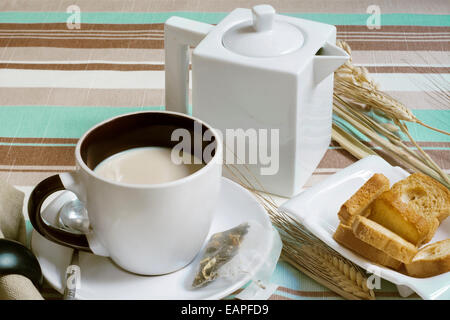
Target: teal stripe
[[436, 118], [215, 17], [38, 144], [56, 122], [72, 122]]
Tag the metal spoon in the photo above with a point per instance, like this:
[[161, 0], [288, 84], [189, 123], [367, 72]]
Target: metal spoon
[[73, 217]]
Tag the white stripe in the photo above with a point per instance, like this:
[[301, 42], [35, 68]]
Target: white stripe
[[154, 79], [411, 81], [81, 79]]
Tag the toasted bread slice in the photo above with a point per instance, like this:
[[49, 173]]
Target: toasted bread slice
[[344, 235], [383, 239], [431, 260], [413, 208], [425, 195], [361, 200], [390, 211]]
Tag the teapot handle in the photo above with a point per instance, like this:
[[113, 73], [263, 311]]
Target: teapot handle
[[179, 34]]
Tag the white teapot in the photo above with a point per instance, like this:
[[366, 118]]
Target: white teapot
[[269, 75]]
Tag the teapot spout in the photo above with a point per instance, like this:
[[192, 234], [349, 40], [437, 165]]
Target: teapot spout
[[327, 60]]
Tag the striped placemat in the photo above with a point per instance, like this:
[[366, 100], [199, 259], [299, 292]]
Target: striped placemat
[[56, 82]]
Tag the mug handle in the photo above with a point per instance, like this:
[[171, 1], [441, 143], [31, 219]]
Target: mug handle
[[38, 195]]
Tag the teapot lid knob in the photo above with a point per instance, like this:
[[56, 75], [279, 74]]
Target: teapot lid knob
[[262, 34], [263, 16]]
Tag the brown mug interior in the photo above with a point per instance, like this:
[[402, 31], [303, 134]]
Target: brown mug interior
[[136, 130]]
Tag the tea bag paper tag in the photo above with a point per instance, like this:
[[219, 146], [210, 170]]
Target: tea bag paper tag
[[261, 288], [257, 290]]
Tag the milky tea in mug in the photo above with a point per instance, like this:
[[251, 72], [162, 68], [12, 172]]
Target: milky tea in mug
[[147, 165]]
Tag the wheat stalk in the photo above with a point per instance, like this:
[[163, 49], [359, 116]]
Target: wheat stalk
[[355, 96], [305, 251], [342, 273], [354, 82]]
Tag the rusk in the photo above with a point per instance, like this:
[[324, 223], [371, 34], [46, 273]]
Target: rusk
[[344, 235], [432, 260], [361, 200], [391, 212], [383, 239], [424, 194]]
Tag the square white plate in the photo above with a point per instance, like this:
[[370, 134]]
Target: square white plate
[[317, 208]]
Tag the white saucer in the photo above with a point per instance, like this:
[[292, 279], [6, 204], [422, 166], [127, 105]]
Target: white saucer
[[102, 279], [317, 208]]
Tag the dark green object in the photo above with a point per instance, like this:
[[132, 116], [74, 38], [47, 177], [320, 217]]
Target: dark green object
[[15, 258]]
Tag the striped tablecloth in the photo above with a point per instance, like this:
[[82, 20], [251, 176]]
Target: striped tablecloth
[[56, 82]]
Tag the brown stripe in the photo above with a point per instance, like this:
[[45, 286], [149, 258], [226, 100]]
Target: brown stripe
[[394, 69], [84, 26], [399, 45], [83, 43], [27, 155], [83, 66], [278, 297], [314, 294], [147, 67], [158, 44]]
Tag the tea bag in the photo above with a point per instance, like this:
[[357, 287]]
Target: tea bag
[[234, 254], [221, 248]]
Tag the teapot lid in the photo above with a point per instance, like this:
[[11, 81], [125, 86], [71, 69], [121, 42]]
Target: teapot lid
[[264, 36]]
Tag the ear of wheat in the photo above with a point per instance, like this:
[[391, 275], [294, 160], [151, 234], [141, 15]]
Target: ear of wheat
[[306, 252], [359, 102]]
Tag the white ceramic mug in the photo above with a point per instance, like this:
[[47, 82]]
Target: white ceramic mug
[[146, 229]]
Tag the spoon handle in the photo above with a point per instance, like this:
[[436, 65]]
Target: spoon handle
[[73, 276]]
